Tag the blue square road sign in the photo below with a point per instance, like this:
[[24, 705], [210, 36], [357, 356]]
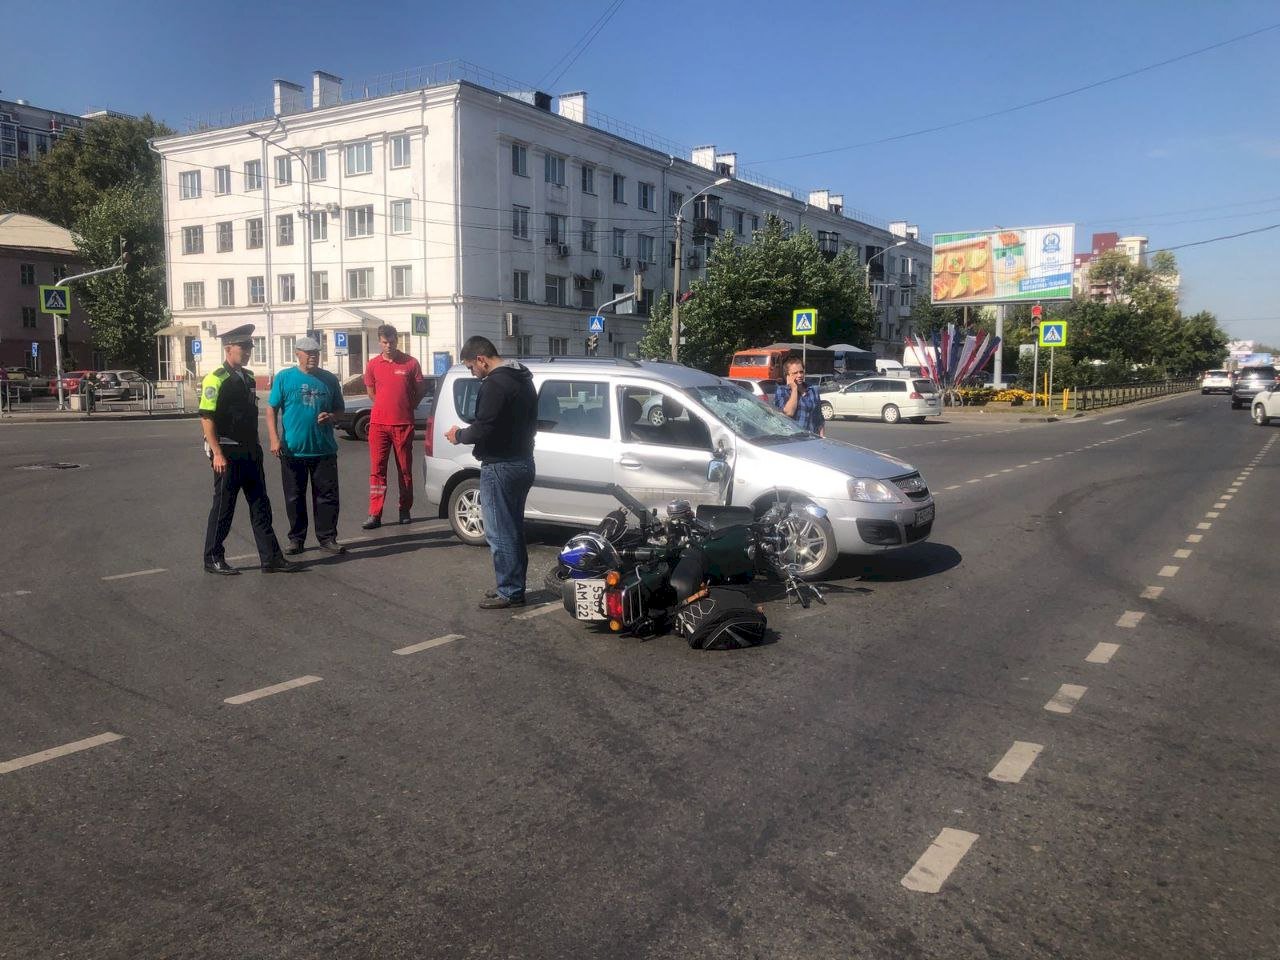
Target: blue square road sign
[[595, 324]]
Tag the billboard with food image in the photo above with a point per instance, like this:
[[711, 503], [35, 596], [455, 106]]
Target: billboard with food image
[[999, 266]]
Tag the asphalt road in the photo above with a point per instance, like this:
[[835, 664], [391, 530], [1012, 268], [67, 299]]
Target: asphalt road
[[1049, 732]]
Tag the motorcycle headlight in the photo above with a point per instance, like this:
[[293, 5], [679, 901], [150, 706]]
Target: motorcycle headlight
[[873, 491]]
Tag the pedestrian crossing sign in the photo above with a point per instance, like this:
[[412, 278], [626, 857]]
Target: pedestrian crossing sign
[[1053, 333], [55, 300], [804, 322]]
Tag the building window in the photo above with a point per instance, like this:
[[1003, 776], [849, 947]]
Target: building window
[[29, 318], [524, 345], [320, 285], [27, 273], [253, 234], [671, 253], [520, 285], [401, 216], [400, 151], [644, 248], [286, 345], [588, 180], [755, 223], [619, 188], [520, 222], [740, 223], [555, 287], [226, 293], [59, 273], [402, 281], [288, 291], [557, 346], [284, 230], [284, 171], [360, 284], [556, 228], [646, 193], [320, 225], [519, 159], [189, 184], [221, 181], [225, 231], [257, 290], [360, 221], [553, 169], [619, 242], [787, 228], [707, 208], [675, 201], [193, 295], [253, 175], [359, 158], [588, 236], [260, 348], [193, 239], [316, 165]]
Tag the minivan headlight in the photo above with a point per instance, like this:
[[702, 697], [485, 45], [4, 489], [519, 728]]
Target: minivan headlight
[[872, 491]]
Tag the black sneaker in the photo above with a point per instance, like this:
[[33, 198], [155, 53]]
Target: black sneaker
[[373, 523], [332, 546], [279, 564], [404, 517], [501, 603], [294, 548]]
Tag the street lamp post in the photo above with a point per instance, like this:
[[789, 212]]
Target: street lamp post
[[866, 267], [675, 298]]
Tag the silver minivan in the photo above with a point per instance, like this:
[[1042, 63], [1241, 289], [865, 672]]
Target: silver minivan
[[715, 444]]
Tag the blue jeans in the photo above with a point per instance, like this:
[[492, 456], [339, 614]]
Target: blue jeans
[[504, 487]]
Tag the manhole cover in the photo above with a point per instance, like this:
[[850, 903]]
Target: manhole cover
[[51, 465]]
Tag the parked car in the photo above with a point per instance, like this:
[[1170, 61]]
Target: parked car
[[71, 380], [19, 386], [885, 398], [715, 445], [1266, 404], [355, 418], [122, 385], [1248, 381], [1216, 381], [763, 389]]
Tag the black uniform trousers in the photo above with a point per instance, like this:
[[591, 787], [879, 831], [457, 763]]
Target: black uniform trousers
[[322, 472], [243, 474]]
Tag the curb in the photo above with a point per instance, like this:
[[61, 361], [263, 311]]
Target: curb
[[17, 418]]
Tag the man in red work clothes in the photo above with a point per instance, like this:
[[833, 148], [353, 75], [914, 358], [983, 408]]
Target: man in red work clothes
[[395, 384]]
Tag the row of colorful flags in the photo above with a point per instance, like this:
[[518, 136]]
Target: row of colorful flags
[[950, 358]]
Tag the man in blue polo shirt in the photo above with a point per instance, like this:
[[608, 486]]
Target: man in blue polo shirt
[[306, 399]]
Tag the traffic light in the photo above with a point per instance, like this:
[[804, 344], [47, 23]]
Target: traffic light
[[125, 256], [1037, 311], [593, 344]]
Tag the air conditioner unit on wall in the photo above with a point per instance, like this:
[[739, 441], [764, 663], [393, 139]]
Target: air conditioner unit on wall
[[694, 261], [511, 325], [562, 250], [597, 275]]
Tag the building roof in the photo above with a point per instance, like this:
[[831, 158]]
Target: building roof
[[32, 233]]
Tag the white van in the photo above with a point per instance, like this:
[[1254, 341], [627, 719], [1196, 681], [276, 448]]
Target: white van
[[714, 443]]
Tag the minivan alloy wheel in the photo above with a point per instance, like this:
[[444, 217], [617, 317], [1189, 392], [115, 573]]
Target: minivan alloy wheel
[[465, 515]]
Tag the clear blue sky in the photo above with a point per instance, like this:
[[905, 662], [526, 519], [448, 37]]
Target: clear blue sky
[[1181, 153]]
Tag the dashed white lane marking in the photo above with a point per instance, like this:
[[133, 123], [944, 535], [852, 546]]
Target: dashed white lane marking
[[975, 480], [1102, 653], [1205, 526], [1022, 466], [1228, 496], [1194, 537], [54, 752], [1181, 554], [1130, 619], [1007, 470], [1107, 423], [954, 486], [136, 573], [990, 475], [1220, 506], [1169, 571], [539, 611], [428, 644], [16, 593], [1151, 593], [1065, 700], [1013, 766], [271, 690], [1234, 486], [937, 863]]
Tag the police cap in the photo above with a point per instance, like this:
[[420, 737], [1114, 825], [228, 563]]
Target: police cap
[[241, 334]]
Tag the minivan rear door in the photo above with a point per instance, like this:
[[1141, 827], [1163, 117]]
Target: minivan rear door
[[664, 456], [576, 441]]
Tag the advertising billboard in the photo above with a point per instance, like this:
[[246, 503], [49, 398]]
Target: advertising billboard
[[1003, 266]]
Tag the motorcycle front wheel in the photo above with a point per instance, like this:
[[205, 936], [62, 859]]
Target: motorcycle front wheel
[[811, 545]]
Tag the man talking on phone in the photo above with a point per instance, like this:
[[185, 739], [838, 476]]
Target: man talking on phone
[[797, 399]]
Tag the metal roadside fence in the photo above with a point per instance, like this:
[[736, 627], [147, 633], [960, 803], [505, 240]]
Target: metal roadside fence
[[161, 396], [1113, 395]]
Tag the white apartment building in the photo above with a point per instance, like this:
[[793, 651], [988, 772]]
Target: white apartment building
[[448, 208]]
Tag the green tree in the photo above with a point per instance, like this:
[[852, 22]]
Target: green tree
[[749, 291], [926, 317]]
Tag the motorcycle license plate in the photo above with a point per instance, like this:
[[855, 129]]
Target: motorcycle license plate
[[924, 515], [588, 600]]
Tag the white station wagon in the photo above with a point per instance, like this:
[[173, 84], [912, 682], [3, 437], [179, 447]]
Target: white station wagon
[[885, 398]]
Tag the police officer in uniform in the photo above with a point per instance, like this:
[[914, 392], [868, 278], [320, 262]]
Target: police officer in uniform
[[229, 416]]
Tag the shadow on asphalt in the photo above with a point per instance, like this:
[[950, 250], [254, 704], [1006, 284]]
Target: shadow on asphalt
[[911, 563], [383, 547]]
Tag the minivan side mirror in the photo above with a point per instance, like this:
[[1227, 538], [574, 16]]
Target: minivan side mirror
[[717, 470]]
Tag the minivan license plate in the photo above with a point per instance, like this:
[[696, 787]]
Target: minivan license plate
[[588, 599], [924, 515]]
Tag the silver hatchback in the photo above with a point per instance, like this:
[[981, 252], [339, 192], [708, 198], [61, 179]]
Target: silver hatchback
[[715, 444]]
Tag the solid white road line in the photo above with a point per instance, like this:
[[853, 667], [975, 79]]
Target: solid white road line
[[1181, 554], [1107, 423], [1102, 653], [273, 689], [539, 611], [54, 752], [936, 863], [1013, 766], [136, 573], [1065, 700], [1151, 593], [1130, 619], [428, 644], [1168, 571], [1194, 537]]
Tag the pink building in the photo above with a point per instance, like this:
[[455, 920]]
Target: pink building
[[35, 252]]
